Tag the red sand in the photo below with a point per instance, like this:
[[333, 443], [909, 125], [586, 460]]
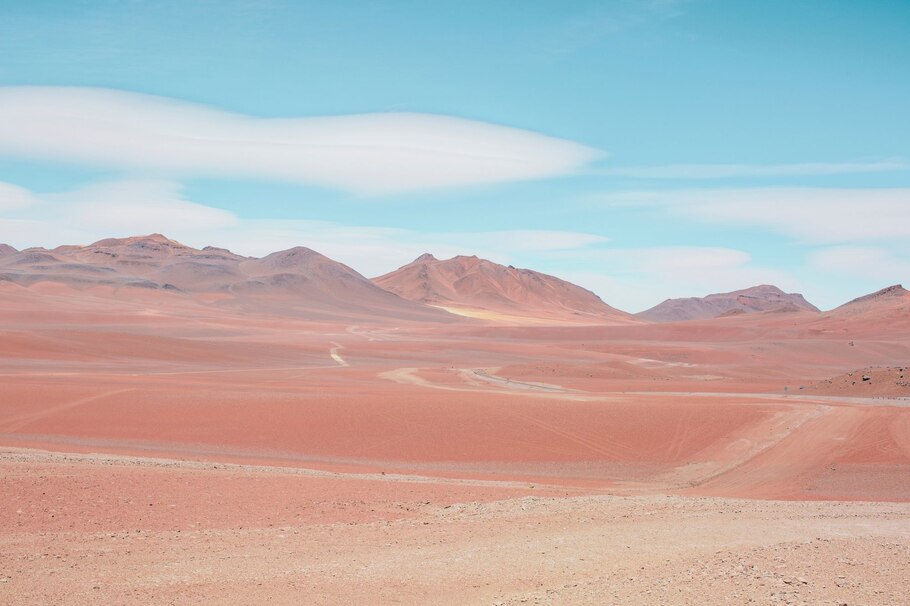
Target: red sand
[[177, 378], [154, 495]]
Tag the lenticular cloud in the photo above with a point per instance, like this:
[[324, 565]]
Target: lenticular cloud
[[368, 153]]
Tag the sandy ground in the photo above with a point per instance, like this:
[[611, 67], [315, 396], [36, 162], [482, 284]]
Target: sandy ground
[[155, 452], [82, 530]]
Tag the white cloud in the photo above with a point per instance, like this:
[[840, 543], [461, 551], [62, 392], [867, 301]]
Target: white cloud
[[865, 262], [24, 233], [119, 208], [136, 206], [812, 215], [638, 278], [730, 171], [12, 196], [536, 240], [368, 153]]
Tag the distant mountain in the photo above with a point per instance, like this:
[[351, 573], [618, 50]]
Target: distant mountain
[[763, 298], [298, 279], [471, 285], [891, 295], [883, 313], [6, 249]]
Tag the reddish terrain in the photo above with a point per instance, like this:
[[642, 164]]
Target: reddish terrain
[[245, 418]]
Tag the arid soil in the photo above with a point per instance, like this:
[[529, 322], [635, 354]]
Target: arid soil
[[88, 529], [163, 448], [873, 382]]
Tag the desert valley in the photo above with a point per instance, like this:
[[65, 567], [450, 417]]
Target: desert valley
[[193, 425]]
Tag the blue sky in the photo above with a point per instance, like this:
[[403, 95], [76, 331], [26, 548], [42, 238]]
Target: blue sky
[[644, 149]]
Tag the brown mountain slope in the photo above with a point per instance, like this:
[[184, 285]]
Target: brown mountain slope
[[304, 274], [6, 249], [891, 296], [298, 281], [472, 286], [882, 313], [750, 300]]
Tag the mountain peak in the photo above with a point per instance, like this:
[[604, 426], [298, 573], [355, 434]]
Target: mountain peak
[[425, 258], [296, 251], [763, 288], [895, 290], [292, 259], [154, 239], [471, 283]]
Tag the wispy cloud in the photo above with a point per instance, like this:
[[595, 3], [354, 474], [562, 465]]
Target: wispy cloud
[[639, 278], [864, 262], [733, 171], [133, 206], [812, 215], [368, 153], [591, 24], [118, 208], [12, 196]]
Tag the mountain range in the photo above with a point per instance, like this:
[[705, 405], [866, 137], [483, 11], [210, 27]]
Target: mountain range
[[298, 281], [304, 283]]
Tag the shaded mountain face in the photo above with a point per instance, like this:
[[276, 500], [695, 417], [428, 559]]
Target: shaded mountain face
[[764, 298], [471, 283], [299, 280]]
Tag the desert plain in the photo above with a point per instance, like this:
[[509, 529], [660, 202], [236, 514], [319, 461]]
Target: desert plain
[[244, 436]]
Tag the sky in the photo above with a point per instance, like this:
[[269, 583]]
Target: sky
[[643, 149]]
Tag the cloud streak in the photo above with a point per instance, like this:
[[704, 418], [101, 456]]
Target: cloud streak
[[12, 196], [733, 171], [365, 154], [861, 262], [133, 206], [811, 215]]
